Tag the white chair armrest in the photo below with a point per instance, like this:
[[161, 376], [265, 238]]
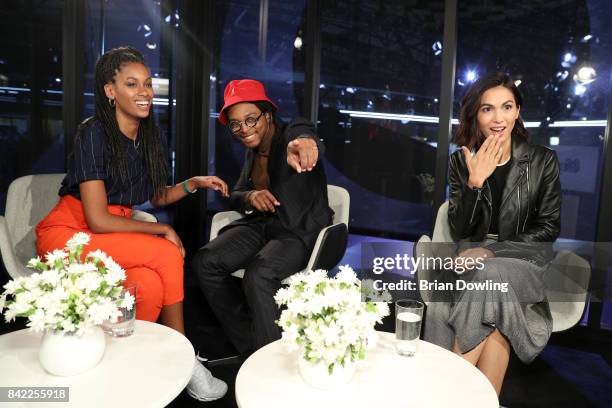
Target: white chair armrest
[[12, 264], [220, 220], [143, 216], [317, 247]]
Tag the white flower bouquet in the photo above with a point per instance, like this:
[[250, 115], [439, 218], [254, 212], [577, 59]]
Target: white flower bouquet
[[327, 317], [69, 294], [370, 293]]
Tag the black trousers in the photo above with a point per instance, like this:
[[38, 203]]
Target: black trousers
[[269, 254]]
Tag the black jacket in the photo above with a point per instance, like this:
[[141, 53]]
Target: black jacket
[[531, 200], [304, 208]]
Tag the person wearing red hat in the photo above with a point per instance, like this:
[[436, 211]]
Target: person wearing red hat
[[282, 191]]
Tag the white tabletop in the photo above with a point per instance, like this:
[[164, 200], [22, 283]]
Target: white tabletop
[[148, 369], [435, 377]]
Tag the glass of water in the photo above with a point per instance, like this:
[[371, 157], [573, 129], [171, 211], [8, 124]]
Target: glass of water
[[408, 317], [125, 323]]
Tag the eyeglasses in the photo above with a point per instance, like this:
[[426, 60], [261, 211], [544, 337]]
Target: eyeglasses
[[236, 126]]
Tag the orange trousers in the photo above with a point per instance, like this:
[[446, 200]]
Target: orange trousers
[[153, 264]]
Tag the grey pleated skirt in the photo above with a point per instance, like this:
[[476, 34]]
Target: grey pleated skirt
[[521, 313]]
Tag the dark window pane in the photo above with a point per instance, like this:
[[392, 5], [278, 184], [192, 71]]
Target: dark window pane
[[31, 133], [382, 58], [561, 52]]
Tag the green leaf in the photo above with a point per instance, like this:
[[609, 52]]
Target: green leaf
[[29, 313], [362, 352], [370, 307]]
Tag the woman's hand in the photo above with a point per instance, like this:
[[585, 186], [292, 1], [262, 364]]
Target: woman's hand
[[483, 163], [477, 253], [262, 200], [173, 237], [469, 258], [212, 182]]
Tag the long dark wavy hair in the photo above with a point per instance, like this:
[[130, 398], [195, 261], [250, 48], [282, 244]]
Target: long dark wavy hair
[[149, 135], [468, 134]]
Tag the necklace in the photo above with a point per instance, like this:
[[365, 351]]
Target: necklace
[[136, 143], [505, 162]]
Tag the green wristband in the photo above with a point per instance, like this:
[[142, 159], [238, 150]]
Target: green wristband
[[187, 189]]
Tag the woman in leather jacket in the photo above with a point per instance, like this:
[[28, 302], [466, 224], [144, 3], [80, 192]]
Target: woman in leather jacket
[[505, 195]]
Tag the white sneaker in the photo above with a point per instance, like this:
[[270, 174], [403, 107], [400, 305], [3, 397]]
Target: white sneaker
[[203, 386]]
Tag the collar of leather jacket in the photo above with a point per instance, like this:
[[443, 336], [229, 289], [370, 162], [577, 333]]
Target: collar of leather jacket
[[520, 158]]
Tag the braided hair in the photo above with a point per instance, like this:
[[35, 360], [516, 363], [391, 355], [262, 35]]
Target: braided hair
[[149, 135]]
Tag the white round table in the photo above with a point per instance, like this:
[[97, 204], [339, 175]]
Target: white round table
[[435, 377], [147, 369]]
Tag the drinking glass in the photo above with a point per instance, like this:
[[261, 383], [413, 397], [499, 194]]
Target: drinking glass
[[125, 323], [408, 317]]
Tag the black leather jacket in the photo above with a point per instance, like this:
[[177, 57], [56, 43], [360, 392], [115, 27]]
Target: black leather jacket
[[531, 201]]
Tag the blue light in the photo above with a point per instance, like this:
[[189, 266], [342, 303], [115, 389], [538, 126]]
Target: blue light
[[437, 48], [470, 76], [579, 89], [568, 59]]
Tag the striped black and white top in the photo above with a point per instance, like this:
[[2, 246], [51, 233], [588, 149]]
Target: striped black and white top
[[90, 161]]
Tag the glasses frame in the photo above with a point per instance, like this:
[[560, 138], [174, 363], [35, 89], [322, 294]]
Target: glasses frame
[[243, 122]]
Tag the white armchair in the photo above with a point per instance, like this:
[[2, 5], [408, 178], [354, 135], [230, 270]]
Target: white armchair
[[28, 201], [339, 201], [566, 279]]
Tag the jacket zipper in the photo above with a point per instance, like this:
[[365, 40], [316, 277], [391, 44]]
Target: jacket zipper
[[485, 196], [527, 214], [480, 197], [476, 204], [518, 217]]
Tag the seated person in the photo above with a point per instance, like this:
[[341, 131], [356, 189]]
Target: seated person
[[283, 194], [504, 194], [120, 160]]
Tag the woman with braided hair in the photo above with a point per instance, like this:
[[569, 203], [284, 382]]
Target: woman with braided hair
[[120, 160]]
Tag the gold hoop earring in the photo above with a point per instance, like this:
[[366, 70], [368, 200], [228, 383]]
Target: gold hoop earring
[[111, 102]]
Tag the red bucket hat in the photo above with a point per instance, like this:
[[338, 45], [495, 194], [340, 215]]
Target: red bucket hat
[[242, 90]]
